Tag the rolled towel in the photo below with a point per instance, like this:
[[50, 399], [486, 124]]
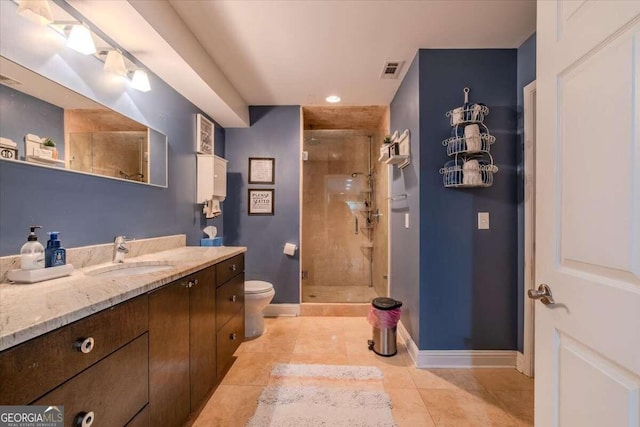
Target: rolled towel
[[476, 113], [471, 172], [472, 137], [457, 116]]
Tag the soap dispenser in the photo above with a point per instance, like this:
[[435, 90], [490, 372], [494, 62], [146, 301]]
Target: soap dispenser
[[55, 255], [32, 252]]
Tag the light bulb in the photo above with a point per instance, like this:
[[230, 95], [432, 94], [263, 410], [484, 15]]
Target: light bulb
[[115, 63], [80, 40], [140, 81], [37, 11]]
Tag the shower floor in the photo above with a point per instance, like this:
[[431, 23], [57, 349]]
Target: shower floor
[[338, 294]]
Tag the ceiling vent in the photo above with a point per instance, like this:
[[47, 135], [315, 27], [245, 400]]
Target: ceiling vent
[[8, 81], [391, 69]]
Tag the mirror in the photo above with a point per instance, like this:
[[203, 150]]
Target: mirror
[[46, 124]]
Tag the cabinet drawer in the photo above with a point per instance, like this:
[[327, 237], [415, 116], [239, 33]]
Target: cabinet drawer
[[225, 270], [33, 368], [114, 389], [229, 299], [140, 420], [229, 339]]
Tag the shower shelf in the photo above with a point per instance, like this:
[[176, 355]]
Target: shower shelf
[[367, 245]]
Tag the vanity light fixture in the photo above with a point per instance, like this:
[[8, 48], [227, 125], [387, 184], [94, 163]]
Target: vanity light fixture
[[115, 63], [140, 81], [80, 40], [332, 99], [38, 11]]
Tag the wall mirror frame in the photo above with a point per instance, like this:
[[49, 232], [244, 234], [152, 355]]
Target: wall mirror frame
[[89, 138]]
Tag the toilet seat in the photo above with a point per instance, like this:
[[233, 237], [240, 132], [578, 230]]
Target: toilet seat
[[253, 287]]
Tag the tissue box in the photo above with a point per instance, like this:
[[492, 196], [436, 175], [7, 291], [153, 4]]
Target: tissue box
[[216, 241]]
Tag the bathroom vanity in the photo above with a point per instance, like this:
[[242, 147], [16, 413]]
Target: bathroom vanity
[[150, 358]]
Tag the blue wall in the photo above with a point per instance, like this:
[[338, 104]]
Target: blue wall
[[405, 243], [22, 114], [274, 132], [525, 75], [467, 277], [86, 209]]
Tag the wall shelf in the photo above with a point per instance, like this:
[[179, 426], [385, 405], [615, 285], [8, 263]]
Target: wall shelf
[[471, 164], [398, 152]]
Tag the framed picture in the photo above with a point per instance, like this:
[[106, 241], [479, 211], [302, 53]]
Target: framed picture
[[204, 135], [260, 201], [262, 170]]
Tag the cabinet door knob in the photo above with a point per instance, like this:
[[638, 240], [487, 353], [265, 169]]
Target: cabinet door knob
[[186, 284], [233, 298], [84, 419], [233, 267], [193, 282], [85, 345], [233, 337]]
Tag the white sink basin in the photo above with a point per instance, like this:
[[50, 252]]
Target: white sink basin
[[130, 269]]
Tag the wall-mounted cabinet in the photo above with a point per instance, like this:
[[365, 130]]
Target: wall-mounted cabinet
[[211, 179]]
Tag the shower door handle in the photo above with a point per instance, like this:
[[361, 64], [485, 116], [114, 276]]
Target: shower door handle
[[356, 222]]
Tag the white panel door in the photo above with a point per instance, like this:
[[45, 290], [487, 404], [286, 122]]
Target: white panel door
[[587, 344]]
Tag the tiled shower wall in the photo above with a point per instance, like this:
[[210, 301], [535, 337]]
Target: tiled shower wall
[[381, 225]]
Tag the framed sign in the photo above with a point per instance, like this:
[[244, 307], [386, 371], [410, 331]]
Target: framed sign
[[262, 170], [204, 135], [260, 201]]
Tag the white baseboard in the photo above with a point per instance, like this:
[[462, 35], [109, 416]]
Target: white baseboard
[[412, 348], [277, 310], [457, 358], [520, 362]]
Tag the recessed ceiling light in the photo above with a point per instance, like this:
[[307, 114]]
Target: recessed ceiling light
[[332, 99]]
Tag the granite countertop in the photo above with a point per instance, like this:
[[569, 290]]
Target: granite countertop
[[27, 311]]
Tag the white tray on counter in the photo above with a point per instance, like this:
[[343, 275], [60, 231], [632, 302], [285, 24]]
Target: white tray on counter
[[33, 276]]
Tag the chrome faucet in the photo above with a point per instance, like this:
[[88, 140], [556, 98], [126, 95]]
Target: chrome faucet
[[120, 248]]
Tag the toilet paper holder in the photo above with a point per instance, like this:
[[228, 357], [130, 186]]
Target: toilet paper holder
[[290, 249]]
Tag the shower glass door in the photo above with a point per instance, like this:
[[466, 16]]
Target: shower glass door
[[337, 226]]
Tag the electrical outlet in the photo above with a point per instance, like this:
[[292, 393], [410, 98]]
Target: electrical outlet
[[483, 220]]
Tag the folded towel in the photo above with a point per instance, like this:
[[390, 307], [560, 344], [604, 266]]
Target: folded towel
[[211, 208], [472, 137]]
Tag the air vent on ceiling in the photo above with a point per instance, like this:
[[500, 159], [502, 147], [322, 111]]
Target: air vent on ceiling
[[391, 69], [8, 81]]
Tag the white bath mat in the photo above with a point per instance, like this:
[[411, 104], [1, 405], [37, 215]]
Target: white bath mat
[[312, 406], [341, 372]]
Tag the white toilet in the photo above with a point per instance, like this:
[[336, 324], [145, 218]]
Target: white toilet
[[257, 295]]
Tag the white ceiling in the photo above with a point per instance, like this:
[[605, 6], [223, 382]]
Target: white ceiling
[[224, 55]]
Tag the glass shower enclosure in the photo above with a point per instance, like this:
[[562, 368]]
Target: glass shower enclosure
[[337, 216]]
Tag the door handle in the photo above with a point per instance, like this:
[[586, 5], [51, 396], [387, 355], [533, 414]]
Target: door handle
[[543, 294]]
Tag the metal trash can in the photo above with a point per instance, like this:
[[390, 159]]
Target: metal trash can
[[384, 316]]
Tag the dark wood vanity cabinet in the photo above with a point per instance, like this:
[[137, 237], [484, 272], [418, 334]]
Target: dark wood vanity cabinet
[[97, 365], [229, 310], [149, 361], [182, 347]]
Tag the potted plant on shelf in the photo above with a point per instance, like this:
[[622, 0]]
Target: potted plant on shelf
[[49, 144]]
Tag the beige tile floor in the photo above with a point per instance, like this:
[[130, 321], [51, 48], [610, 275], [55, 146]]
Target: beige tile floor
[[420, 397]]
